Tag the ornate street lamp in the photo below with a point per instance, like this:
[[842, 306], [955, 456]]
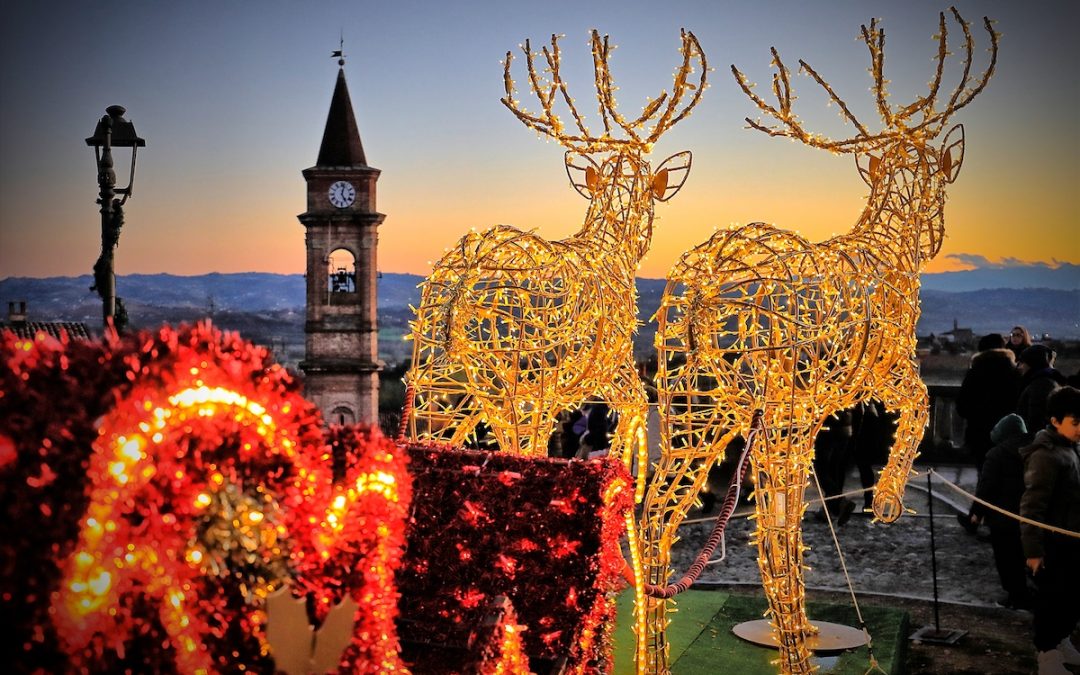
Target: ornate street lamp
[[113, 131]]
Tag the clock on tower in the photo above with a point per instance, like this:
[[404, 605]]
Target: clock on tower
[[341, 364]]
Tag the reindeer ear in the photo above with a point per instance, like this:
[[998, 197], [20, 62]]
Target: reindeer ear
[[952, 153], [868, 166], [671, 175], [583, 173]]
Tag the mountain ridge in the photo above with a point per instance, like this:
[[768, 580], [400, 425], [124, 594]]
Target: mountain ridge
[[1053, 309]]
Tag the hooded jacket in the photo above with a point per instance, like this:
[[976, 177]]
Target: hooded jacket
[[1037, 386], [1051, 489], [1001, 481]]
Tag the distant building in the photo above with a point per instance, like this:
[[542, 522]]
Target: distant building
[[17, 323], [341, 365], [960, 337]]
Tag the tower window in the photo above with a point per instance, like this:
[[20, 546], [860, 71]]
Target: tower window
[[342, 415], [342, 271]]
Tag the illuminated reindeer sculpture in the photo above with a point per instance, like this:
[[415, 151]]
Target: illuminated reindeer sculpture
[[513, 328], [757, 321]]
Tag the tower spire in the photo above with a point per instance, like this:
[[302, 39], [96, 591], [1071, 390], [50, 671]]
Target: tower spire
[[341, 144], [341, 347]]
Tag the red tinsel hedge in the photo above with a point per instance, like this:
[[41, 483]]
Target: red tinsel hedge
[[157, 487], [542, 532]]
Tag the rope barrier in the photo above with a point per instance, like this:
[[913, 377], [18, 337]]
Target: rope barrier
[[747, 512], [1010, 514], [946, 481]]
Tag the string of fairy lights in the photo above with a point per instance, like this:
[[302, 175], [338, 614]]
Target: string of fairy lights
[[760, 320], [513, 329]]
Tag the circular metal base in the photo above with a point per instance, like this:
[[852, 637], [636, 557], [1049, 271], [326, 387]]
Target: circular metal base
[[831, 637]]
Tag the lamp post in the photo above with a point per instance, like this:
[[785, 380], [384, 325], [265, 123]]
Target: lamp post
[[112, 131]]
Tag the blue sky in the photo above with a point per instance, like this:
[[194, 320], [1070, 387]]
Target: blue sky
[[232, 98]]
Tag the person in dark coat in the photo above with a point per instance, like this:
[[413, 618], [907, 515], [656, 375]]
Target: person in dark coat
[[596, 441], [988, 392], [832, 452], [1001, 483], [570, 440], [1052, 496], [1039, 379]]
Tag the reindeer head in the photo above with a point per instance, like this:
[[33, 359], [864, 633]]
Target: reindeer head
[[906, 172], [613, 173]]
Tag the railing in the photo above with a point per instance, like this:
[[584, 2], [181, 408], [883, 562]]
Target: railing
[[945, 430]]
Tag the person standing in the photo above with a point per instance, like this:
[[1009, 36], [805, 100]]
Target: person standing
[[1001, 483], [1052, 496], [1038, 379], [1019, 340], [832, 451], [988, 392], [596, 441]]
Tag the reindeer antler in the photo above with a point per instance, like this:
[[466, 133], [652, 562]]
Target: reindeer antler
[[895, 121], [548, 89]]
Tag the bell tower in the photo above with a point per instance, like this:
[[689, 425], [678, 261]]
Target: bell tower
[[341, 364]]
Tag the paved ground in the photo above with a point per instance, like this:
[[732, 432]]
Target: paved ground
[[881, 558], [890, 565]]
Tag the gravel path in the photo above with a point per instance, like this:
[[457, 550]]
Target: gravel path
[[892, 559]]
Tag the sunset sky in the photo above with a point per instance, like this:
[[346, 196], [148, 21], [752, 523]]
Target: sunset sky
[[232, 98]]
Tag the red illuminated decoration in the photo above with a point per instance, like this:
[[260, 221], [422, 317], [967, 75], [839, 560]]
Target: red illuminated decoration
[[503, 652], [543, 533], [159, 486]]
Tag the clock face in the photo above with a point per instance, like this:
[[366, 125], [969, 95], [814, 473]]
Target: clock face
[[342, 194]]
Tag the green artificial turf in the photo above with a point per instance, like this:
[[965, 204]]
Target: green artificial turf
[[702, 642]]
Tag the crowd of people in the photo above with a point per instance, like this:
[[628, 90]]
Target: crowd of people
[[1023, 433]]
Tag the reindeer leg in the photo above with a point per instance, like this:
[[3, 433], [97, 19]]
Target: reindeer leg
[[524, 430], [680, 475], [632, 407], [907, 396], [442, 409], [781, 464]]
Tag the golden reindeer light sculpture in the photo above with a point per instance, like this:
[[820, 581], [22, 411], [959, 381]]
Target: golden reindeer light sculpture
[[758, 320], [513, 328]]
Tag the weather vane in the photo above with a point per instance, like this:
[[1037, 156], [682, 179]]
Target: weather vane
[[339, 53]]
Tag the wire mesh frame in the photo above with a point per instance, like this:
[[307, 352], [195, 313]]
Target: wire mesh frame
[[760, 319]]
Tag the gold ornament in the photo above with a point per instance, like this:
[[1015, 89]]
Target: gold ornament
[[512, 328], [758, 319]]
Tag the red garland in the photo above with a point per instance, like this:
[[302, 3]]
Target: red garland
[[362, 559], [499, 644], [543, 532], [114, 460]]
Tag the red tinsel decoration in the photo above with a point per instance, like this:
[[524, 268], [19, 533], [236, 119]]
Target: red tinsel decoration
[[542, 532], [159, 485]]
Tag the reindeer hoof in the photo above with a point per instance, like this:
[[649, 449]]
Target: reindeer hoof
[[887, 508]]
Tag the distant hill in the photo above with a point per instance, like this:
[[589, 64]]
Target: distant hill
[[1064, 277], [269, 307]]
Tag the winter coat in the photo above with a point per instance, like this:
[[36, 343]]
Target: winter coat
[[1037, 387], [1051, 489], [1001, 481], [989, 391]]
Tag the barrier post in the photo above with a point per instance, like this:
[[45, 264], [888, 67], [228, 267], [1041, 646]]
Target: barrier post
[[934, 634]]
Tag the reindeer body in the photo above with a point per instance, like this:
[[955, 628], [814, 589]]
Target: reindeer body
[[512, 329], [758, 320], [525, 320]]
